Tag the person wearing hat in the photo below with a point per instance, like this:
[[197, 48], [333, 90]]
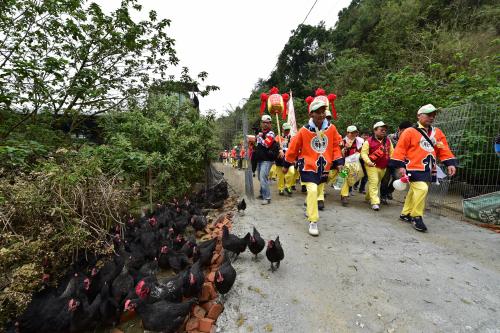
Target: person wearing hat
[[316, 147], [266, 152], [416, 153], [286, 179], [351, 150], [386, 188], [376, 152]]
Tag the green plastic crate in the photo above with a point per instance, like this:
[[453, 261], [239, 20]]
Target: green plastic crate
[[484, 208]]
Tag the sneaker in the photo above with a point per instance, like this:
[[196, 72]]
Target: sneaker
[[405, 218], [288, 191], [321, 204], [266, 202], [418, 224], [294, 188], [304, 189], [313, 229], [344, 201], [281, 193], [375, 207], [384, 201], [389, 196]]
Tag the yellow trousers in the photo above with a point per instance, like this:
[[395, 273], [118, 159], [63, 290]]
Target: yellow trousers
[[375, 176], [415, 199], [297, 176], [273, 172], [315, 193], [285, 180], [332, 176]]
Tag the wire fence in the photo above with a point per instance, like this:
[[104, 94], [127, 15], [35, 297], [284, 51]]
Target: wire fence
[[474, 192]]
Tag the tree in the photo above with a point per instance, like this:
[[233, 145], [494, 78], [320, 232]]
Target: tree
[[68, 57]]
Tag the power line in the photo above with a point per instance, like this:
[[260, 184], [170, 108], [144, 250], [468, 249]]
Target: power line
[[310, 10]]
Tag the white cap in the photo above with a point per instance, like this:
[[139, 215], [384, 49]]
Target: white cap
[[351, 129], [266, 117], [379, 124], [316, 104], [428, 108]]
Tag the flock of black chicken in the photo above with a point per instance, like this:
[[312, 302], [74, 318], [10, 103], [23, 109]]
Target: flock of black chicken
[[97, 294]]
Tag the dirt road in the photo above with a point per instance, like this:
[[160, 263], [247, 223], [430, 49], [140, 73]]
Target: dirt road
[[366, 272]]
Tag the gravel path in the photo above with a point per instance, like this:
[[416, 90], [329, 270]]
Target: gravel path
[[366, 272]]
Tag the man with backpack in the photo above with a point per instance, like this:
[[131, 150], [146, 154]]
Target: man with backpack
[[376, 152], [416, 154]]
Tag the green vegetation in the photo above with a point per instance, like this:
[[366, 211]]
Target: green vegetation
[[91, 127], [386, 58]]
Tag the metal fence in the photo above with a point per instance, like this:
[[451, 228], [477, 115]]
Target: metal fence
[[471, 131]]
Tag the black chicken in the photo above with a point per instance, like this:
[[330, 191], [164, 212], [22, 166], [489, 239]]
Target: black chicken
[[233, 243], [109, 309], [161, 316], [256, 244], [198, 222], [274, 253], [225, 276], [204, 252], [194, 280], [121, 285], [188, 248], [175, 260], [150, 290], [242, 205]]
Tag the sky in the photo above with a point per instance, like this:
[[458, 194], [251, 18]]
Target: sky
[[236, 42]]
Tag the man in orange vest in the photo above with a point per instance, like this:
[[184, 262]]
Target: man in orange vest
[[416, 153], [376, 152], [316, 147]]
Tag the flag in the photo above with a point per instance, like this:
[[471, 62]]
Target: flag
[[291, 116]]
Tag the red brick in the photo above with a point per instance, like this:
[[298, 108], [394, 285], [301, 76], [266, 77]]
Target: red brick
[[213, 293], [218, 247], [205, 292], [199, 312], [207, 305], [215, 311], [211, 277], [213, 329], [192, 324], [206, 325], [215, 257]]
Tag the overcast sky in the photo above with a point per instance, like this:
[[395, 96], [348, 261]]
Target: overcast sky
[[236, 42]]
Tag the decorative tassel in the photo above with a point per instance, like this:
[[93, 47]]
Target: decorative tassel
[[263, 101], [331, 99], [309, 100], [320, 92], [286, 97]]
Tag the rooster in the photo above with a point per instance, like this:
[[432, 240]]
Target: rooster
[[233, 243], [256, 244], [274, 253], [242, 205]]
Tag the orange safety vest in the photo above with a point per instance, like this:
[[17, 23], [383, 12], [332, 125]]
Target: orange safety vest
[[315, 155], [417, 155]]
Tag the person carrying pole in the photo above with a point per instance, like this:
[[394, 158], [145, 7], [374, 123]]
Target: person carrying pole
[[316, 147]]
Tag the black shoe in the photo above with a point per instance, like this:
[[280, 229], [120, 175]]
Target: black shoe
[[405, 218], [418, 224], [294, 188], [281, 193], [389, 196], [304, 189], [260, 197], [288, 191], [344, 201], [384, 201], [321, 204]]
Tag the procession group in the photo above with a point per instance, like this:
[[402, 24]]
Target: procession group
[[372, 163]]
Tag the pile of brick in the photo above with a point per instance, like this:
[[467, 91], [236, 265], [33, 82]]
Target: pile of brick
[[204, 316]]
